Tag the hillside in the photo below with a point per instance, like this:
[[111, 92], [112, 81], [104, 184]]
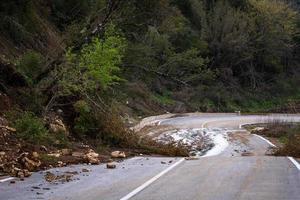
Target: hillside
[[80, 72]]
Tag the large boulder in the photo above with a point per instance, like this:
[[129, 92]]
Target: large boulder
[[28, 163], [57, 126], [92, 157], [118, 154]]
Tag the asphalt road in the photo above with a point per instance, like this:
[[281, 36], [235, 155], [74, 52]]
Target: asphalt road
[[240, 172]]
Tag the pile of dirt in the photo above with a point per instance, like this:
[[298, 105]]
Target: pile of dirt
[[19, 158]]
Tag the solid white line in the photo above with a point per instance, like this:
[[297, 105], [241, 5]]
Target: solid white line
[[6, 179], [294, 162], [270, 143], [146, 184], [241, 125]]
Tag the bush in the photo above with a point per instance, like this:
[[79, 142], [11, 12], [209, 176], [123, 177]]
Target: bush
[[85, 124], [287, 133], [30, 128], [30, 65], [291, 142], [47, 160]]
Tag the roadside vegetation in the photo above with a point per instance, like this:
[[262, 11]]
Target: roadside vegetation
[[286, 134], [80, 72]]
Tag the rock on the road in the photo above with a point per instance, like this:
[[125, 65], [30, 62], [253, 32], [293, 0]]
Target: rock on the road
[[111, 165], [118, 154]]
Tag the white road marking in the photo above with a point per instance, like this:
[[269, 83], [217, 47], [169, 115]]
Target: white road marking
[[6, 179], [294, 162], [146, 184], [290, 158], [270, 143], [241, 125]]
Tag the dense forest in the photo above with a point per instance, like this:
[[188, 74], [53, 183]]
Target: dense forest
[[100, 63]]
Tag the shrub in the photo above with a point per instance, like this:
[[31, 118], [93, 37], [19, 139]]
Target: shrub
[[30, 65], [85, 124], [48, 160], [31, 128], [164, 99]]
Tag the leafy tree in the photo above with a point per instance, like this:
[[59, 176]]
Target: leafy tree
[[94, 67]]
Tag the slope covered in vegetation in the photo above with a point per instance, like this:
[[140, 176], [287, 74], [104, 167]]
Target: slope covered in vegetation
[[94, 64]]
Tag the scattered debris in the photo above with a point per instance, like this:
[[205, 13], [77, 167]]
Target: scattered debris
[[247, 154], [65, 177], [50, 177], [192, 158]]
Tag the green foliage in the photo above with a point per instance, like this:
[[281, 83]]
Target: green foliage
[[30, 128], [164, 99], [31, 100], [102, 57], [30, 65], [19, 20], [48, 160], [85, 124], [95, 66]]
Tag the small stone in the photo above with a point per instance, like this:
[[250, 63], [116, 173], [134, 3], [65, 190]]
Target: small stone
[[163, 162], [12, 182], [66, 152], [2, 154], [20, 174], [60, 163], [43, 148], [50, 177], [56, 155], [85, 170], [35, 155], [111, 165]]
